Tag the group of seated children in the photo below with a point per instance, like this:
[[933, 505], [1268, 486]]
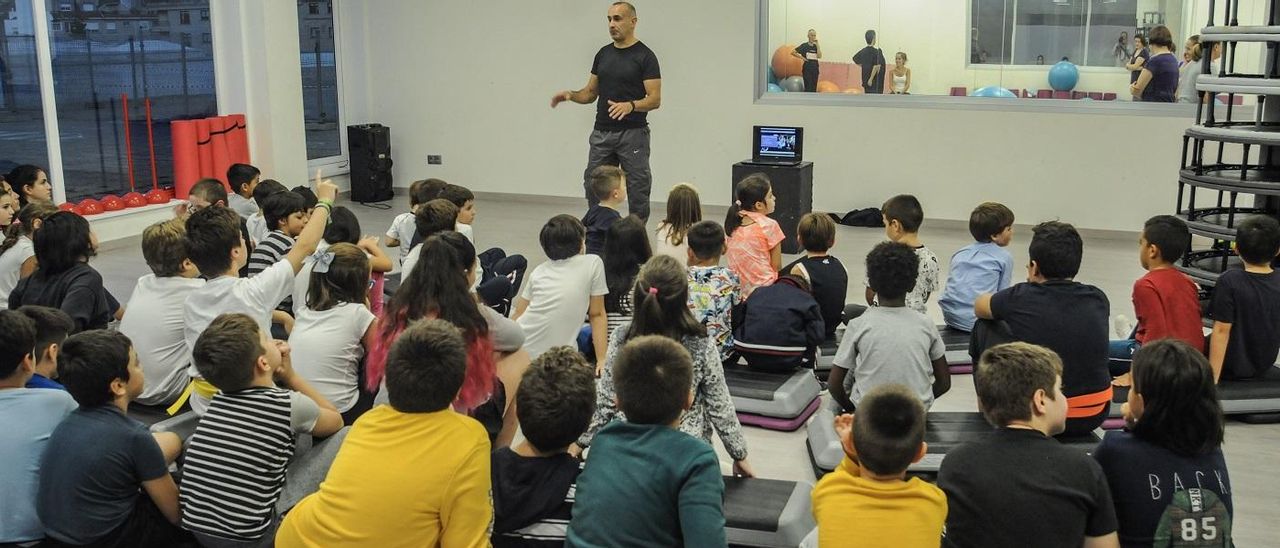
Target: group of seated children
[[663, 326]]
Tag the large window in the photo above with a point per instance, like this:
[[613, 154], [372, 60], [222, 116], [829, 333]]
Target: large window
[[320, 99], [1002, 48], [151, 63], [22, 135]]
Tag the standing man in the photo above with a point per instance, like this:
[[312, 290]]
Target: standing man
[[810, 51], [625, 84], [871, 59]]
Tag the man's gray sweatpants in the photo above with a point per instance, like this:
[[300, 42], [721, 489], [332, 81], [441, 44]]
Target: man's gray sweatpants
[[629, 150]]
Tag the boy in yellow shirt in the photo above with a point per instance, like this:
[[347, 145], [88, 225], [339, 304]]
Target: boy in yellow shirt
[[867, 502], [414, 473]]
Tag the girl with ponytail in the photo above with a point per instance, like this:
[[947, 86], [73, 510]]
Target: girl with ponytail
[[755, 240], [332, 332], [661, 298]]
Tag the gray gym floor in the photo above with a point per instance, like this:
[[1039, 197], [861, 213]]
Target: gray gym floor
[[1110, 262]]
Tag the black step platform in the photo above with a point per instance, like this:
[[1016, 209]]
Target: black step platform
[[1204, 266], [1218, 222]]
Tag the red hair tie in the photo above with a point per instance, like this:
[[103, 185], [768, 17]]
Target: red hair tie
[[653, 291]]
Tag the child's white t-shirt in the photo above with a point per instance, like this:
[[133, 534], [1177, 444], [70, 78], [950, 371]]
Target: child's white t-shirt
[[256, 224], [11, 267], [326, 348], [559, 295], [153, 320], [257, 297], [403, 229]]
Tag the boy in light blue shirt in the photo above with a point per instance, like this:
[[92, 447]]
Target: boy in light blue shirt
[[981, 267]]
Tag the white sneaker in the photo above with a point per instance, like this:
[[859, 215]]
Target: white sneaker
[[1122, 326]]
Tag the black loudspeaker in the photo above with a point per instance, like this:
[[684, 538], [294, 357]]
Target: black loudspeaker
[[793, 188], [370, 151]]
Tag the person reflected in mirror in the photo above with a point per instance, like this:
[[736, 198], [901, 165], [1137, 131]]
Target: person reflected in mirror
[[1039, 59], [810, 52], [1138, 59], [1189, 72], [901, 75], [1158, 81], [872, 62], [1121, 50]]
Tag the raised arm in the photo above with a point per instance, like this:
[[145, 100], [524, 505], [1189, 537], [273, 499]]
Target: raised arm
[[326, 192]]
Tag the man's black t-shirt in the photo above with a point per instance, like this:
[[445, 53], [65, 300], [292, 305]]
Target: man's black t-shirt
[[804, 50], [1067, 317], [1021, 488], [1144, 478], [868, 58], [829, 283], [620, 76], [1251, 304]]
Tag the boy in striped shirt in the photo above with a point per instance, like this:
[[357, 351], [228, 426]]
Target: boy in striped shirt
[[534, 484], [237, 458]]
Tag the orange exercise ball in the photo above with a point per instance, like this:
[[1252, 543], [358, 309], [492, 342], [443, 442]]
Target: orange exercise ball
[[854, 91], [826, 86], [112, 203], [89, 206], [784, 64], [135, 199]]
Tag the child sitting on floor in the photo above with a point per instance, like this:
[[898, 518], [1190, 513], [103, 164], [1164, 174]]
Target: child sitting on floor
[[827, 277], [403, 227], [608, 187], [754, 240], [684, 209], [1246, 328], [52, 328], [713, 289], [563, 290], [903, 216], [980, 267], [778, 329]]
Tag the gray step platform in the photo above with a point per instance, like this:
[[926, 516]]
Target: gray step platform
[[944, 431], [779, 395], [1240, 134], [182, 424], [1240, 33], [1260, 181], [767, 513], [1237, 84], [1257, 396]]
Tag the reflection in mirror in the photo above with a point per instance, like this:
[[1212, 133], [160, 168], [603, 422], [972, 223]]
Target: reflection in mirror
[[1091, 50]]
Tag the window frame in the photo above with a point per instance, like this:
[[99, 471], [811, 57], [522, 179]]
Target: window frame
[[764, 54], [43, 28], [340, 163]]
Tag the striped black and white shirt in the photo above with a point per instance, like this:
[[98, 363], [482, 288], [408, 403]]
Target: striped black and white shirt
[[236, 460], [269, 251], [533, 499]]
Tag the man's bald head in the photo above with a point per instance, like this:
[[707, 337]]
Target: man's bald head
[[631, 10]]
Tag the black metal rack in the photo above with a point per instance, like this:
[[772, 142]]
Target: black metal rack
[[1230, 161]]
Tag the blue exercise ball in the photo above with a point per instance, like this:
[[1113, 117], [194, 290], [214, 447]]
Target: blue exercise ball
[[775, 88], [1064, 76], [773, 78], [993, 91], [792, 83]]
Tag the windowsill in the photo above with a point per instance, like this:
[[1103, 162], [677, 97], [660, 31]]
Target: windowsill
[[130, 211], [1185, 111]]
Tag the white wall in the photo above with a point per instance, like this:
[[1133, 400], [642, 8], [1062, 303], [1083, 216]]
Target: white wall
[[473, 80]]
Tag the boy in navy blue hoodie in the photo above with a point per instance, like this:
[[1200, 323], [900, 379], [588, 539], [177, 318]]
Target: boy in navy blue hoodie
[[779, 327]]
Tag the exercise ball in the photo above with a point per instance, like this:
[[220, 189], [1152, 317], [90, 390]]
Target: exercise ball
[[1063, 76], [89, 206], [112, 203], [855, 91], [67, 206], [825, 86], [775, 88], [773, 78], [792, 83], [134, 199], [993, 91], [786, 65], [159, 196]]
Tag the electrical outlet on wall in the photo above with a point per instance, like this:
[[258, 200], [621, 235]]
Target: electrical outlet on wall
[[434, 159]]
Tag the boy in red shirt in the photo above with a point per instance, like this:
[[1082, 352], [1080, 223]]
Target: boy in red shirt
[[1165, 300]]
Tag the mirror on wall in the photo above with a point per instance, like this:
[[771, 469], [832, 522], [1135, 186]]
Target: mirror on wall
[[1080, 50]]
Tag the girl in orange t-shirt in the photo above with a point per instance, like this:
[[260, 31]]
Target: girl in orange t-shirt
[[755, 252]]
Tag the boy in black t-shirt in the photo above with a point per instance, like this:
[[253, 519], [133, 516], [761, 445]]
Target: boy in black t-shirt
[[534, 483], [104, 478], [1052, 310], [828, 279], [1246, 305], [872, 61], [609, 186], [1018, 486]]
